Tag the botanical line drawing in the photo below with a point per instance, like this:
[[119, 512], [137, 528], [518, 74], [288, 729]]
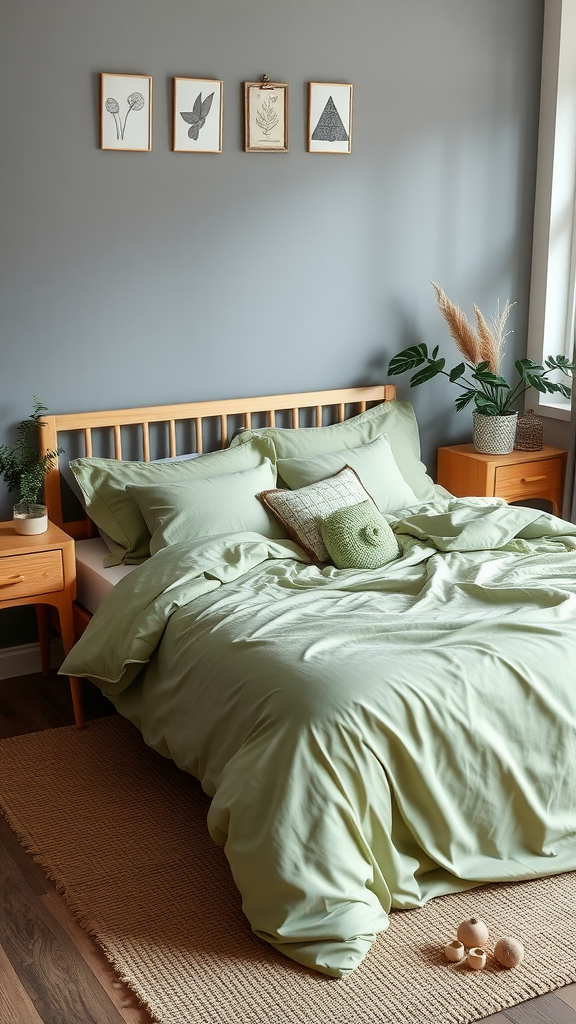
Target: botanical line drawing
[[266, 117], [196, 117], [135, 101], [330, 127]]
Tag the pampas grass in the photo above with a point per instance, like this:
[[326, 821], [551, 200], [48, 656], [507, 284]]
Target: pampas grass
[[483, 345]]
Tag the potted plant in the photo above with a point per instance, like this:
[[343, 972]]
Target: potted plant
[[24, 472], [479, 375]]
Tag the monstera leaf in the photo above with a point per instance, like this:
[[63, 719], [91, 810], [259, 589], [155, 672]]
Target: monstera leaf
[[196, 117]]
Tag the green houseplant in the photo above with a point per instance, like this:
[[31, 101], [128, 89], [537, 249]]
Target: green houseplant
[[24, 471], [479, 376]]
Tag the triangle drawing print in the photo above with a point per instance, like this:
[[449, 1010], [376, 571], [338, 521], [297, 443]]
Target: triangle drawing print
[[330, 127]]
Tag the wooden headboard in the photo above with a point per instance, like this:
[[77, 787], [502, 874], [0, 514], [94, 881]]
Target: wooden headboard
[[201, 417]]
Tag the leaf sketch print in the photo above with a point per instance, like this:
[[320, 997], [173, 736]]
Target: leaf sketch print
[[135, 101], [330, 127], [266, 117], [196, 117]]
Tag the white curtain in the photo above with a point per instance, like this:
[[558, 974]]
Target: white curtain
[[569, 507]]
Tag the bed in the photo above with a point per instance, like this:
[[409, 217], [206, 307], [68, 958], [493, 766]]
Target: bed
[[374, 681]]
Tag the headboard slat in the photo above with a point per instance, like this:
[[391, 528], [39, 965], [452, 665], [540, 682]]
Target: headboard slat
[[146, 441], [117, 441], [172, 438]]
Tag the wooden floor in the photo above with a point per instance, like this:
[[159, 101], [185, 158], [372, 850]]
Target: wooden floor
[[51, 971]]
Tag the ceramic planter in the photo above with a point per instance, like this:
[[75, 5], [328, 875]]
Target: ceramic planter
[[494, 435], [29, 518]]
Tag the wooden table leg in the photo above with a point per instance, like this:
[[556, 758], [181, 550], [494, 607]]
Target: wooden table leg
[[68, 641], [77, 702], [42, 621]]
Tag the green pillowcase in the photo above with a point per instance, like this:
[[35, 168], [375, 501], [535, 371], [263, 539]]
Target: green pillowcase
[[217, 505], [395, 419], [103, 483], [374, 463], [358, 537]]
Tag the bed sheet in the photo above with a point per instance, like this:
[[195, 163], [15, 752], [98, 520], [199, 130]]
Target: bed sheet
[[369, 739], [93, 581]]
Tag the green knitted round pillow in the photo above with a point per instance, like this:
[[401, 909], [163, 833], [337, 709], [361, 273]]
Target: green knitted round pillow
[[358, 537]]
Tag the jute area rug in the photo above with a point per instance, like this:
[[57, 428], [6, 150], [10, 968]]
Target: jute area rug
[[123, 834]]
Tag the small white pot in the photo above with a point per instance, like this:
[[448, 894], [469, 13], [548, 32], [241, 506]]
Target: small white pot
[[476, 958], [454, 950], [29, 519], [494, 435]]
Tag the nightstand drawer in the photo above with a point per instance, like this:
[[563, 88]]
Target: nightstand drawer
[[26, 575], [528, 478]]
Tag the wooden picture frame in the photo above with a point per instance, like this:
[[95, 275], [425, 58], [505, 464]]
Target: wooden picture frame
[[265, 117], [198, 109], [126, 112], [330, 117]]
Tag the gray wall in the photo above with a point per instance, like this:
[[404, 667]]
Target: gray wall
[[139, 278]]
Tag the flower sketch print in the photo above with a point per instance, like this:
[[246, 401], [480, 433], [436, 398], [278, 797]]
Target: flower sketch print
[[266, 117], [196, 117], [135, 101]]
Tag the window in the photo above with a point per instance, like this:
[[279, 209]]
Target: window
[[552, 319]]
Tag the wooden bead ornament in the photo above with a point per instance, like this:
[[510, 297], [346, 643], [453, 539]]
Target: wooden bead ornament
[[509, 952], [454, 950], [473, 932], [476, 958]]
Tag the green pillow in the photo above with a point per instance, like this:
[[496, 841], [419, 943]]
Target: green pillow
[[207, 508], [358, 537], [103, 483], [395, 419], [374, 463]]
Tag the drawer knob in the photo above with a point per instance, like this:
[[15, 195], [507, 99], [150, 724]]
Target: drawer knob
[[532, 479], [11, 580]]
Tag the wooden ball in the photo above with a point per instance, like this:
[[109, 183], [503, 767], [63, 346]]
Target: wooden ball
[[509, 952], [473, 932]]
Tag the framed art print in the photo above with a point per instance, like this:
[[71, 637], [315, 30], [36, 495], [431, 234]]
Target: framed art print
[[329, 118], [265, 117], [126, 112], [197, 115]]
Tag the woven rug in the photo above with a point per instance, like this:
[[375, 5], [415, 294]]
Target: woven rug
[[123, 834]]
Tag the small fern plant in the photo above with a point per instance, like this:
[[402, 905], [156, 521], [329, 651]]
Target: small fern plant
[[21, 467]]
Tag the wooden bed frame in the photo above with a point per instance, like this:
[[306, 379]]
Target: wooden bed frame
[[343, 403], [200, 419]]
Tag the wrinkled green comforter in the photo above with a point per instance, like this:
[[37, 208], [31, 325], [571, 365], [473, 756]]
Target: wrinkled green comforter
[[370, 739]]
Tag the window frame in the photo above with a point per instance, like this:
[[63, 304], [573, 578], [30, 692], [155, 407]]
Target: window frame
[[551, 322]]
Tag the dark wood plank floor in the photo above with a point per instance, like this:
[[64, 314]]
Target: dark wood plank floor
[[52, 971]]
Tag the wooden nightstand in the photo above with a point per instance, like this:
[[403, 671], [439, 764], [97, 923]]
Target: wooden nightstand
[[520, 475], [41, 570]]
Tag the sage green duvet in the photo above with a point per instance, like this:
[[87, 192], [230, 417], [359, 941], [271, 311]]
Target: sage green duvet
[[369, 739]]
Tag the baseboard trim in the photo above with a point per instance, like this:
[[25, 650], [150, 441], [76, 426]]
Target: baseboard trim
[[25, 659]]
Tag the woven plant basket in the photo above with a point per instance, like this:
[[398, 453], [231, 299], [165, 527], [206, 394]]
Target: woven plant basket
[[494, 435], [529, 433]]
